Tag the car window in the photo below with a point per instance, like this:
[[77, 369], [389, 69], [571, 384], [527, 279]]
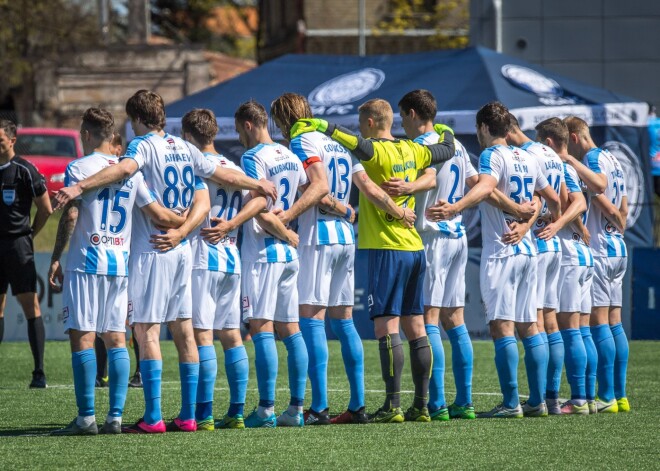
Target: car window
[[40, 144]]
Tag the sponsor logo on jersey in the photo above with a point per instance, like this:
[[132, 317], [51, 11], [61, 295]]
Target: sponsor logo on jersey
[[9, 196], [547, 89], [609, 228], [336, 95], [633, 175], [576, 237], [97, 239]]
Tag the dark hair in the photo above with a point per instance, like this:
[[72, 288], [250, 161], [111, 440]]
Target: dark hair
[[201, 124], [99, 122], [289, 108], [496, 117], [513, 122], [117, 140], [253, 112], [9, 127], [148, 108], [555, 129], [422, 101]]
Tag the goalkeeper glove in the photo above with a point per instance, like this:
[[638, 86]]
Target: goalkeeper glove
[[442, 128], [308, 125]]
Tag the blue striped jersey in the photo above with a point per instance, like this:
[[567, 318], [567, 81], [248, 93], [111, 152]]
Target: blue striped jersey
[[279, 165], [449, 186], [574, 251], [226, 202], [315, 226], [101, 241]]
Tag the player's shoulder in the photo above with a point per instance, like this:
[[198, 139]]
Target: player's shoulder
[[427, 138], [137, 143], [91, 162]]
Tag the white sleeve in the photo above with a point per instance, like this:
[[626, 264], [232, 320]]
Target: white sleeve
[[204, 167], [143, 196]]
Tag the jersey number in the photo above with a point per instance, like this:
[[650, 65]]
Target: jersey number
[[284, 194], [556, 185], [105, 196], [229, 204], [339, 169], [457, 175], [522, 184], [171, 195]]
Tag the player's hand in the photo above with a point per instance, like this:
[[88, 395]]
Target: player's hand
[[408, 219], [517, 231], [66, 194], [308, 125], [267, 189], [351, 218], [217, 231], [396, 187], [548, 232], [527, 210], [442, 128], [167, 241], [586, 235], [282, 215], [55, 276], [441, 211], [293, 239]]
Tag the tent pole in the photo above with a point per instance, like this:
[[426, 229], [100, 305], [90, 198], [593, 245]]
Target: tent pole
[[362, 27], [497, 6]]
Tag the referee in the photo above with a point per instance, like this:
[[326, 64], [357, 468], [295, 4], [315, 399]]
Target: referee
[[21, 184]]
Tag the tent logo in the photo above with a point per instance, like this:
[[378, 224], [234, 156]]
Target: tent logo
[[633, 175], [335, 95], [548, 90]]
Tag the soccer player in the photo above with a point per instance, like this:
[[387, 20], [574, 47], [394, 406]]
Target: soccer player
[[396, 253], [602, 174], [270, 267], [216, 280], [327, 255], [576, 272], [508, 270], [548, 260], [161, 265], [96, 284]]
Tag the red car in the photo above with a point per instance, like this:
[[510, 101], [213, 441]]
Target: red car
[[50, 150]]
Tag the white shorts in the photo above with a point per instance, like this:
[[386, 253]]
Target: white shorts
[[575, 288], [607, 288], [217, 298], [508, 288], [94, 303], [444, 282], [159, 288], [326, 275], [270, 291], [547, 280]]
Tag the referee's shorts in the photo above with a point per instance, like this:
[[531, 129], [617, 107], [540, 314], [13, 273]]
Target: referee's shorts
[[396, 282], [17, 266]]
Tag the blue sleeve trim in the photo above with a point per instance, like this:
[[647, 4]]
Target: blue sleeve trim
[[249, 164], [571, 184], [484, 161], [297, 148], [132, 148], [527, 145], [592, 160], [199, 184], [422, 138]]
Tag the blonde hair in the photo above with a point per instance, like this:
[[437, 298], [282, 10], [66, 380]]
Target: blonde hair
[[380, 111], [577, 126], [289, 108]]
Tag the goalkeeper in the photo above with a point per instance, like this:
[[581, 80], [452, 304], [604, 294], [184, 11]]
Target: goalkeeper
[[395, 253]]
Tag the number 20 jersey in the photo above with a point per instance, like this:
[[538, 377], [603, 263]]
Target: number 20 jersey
[[169, 165]]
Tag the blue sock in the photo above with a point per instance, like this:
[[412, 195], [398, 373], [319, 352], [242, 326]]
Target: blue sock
[[189, 376], [576, 362], [238, 369], [555, 365], [208, 371], [621, 360], [461, 363], [592, 362], [313, 332], [297, 361], [119, 368], [353, 355], [606, 353], [437, 382], [536, 365], [84, 379], [506, 363], [152, 371], [265, 362]]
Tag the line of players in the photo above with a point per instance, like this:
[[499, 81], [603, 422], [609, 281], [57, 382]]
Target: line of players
[[183, 184]]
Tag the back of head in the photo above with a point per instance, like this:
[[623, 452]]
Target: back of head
[[148, 108], [514, 125], [9, 127], [577, 126], [253, 112], [289, 108], [555, 129], [117, 140], [99, 123], [379, 111], [496, 117], [422, 101], [201, 124]]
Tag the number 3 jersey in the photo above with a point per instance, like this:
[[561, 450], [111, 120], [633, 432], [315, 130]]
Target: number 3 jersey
[[277, 164], [226, 202], [518, 176], [101, 241], [315, 226], [169, 165]]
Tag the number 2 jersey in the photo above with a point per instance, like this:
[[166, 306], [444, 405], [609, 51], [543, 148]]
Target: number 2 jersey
[[169, 165], [315, 226], [101, 241], [277, 164], [518, 176], [574, 251], [226, 202]]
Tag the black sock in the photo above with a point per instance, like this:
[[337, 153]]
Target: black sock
[[391, 365], [136, 348], [421, 361], [2, 328], [37, 338], [101, 358]]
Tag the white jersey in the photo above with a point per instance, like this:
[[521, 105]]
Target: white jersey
[[100, 244], [449, 186], [169, 165], [226, 202], [518, 177], [277, 164], [315, 226], [574, 251], [606, 240], [553, 169]]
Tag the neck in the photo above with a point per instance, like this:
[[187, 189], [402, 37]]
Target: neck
[[422, 128], [209, 149], [562, 153], [382, 134], [144, 131], [518, 139], [104, 148], [6, 157], [261, 136], [494, 141]]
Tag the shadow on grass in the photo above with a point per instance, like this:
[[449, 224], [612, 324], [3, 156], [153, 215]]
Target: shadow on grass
[[40, 430]]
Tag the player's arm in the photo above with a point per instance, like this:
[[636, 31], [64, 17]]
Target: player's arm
[[272, 224], [611, 212], [444, 210], [316, 190], [522, 212], [230, 177], [64, 231], [200, 208], [332, 205], [253, 206], [518, 229], [382, 200], [576, 206], [399, 187], [551, 200], [596, 181], [44, 210]]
